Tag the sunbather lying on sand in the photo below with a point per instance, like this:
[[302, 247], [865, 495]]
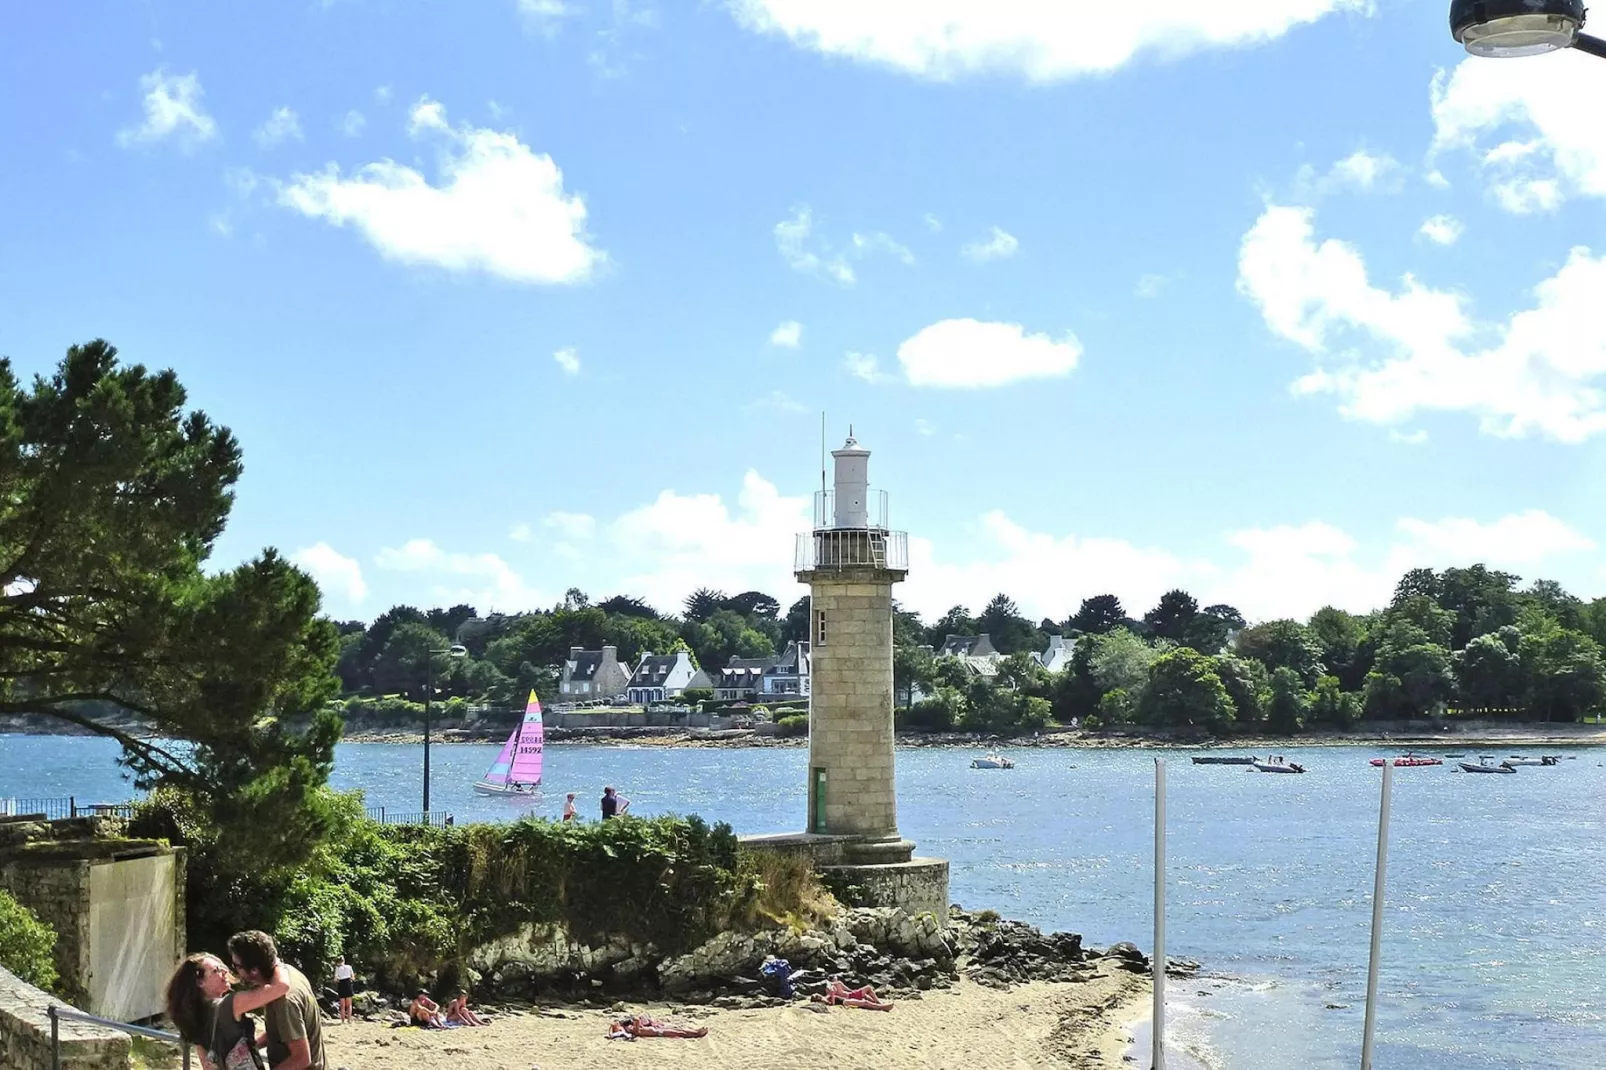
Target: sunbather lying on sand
[[643, 1026], [864, 998]]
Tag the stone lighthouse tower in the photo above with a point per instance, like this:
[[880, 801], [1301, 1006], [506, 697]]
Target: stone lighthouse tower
[[850, 562]]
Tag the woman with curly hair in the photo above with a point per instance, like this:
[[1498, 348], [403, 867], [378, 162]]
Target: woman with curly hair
[[208, 1014]]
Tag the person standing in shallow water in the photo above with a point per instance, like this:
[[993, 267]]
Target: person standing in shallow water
[[569, 812], [613, 804]]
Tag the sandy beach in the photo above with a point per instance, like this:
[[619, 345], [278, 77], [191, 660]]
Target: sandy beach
[[1081, 1026]]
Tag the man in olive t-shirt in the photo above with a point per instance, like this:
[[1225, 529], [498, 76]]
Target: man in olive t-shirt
[[294, 1023]]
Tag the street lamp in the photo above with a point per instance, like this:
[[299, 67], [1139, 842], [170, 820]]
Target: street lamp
[[1506, 28], [453, 651]]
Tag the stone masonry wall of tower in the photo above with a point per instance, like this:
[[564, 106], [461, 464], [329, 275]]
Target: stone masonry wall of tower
[[850, 731]]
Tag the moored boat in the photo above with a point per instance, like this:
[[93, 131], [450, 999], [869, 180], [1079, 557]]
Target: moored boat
[[992, 761], [1487, 766], [517, 769], [1544, 759], [1222, 759], [1279, 765], [1410, 761]]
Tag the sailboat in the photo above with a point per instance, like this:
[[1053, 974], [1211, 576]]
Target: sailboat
[[517, 770]]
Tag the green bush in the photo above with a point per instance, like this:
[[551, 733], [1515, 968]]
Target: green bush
[[402, 900], [696, 694], [386, 708], [796, 724], [26, 944]]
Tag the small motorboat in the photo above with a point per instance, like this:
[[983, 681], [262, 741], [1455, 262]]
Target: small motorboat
[[1222, 759], [1410, 761], [1487, 766], [1279, 765], [1544, 759], [992, 761]]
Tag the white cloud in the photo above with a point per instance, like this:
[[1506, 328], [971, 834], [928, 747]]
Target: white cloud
[[283, 125], [933, 224], [667, 548], [500, 208], [812, 254], [1539, 376], [1554, 143], [482, 580], [333, 571], [970, 353], [353, 123], [545, 15], [1001, 245], [568, 359], [520, 532], [778, 400], [1409, 438], [678, 543], [1149, 286], [789, 335], [865, 366], [865, 244], [1521, 539], [382, 94], [1442, 230], [792, 239], [1041, 42], [571, 525], [172, 109], [1361, 170], [925, 427]]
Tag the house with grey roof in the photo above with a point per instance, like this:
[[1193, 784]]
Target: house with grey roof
[[1057, 658], [589, 675], [789, 676], [976, 651], [660, 677], [741, 678]]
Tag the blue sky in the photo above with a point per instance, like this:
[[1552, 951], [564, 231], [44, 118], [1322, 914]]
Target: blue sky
[[1270, 299]]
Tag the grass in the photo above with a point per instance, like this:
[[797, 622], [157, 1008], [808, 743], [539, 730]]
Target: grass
[[790, 892], [155, 1055]]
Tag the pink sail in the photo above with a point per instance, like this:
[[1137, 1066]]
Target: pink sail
[[527, 744], [497, 774]]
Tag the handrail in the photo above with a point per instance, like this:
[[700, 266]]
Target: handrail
[[56, 1013]]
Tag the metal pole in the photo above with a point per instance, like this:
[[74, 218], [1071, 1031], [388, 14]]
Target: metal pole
[[429, 685], [1158, 961], [1377, 917], [1595, 46]]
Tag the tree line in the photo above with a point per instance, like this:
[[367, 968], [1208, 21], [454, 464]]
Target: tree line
[[1465, 639]]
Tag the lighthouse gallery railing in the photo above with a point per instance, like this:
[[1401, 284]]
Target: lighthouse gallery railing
[[844, 548]]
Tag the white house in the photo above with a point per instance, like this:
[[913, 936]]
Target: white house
[[664, 676]]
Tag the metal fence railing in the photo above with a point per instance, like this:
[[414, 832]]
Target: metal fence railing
[[67, 806], [62, 808], [58, 1014], [432, 818]]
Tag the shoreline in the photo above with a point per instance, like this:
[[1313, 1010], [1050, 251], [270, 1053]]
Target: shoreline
[[1479, 734]]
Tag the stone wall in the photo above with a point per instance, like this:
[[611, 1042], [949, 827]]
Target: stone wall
[[25, 1034], [58, 894], [918, 887]]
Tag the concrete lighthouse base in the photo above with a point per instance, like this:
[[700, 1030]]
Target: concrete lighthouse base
[[864, 872]]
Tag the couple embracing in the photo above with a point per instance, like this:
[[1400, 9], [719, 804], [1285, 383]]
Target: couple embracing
[[209, 1013]]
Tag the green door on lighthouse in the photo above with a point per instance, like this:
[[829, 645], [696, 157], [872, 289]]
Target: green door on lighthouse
[[819, 801]]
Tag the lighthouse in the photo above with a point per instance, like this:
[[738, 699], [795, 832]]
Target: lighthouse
[[850, 562]]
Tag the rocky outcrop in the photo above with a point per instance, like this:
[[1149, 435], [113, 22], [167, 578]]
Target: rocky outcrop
[[891, 950]]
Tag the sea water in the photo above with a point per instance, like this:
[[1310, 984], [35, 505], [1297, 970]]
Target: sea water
[[1494, 954]]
